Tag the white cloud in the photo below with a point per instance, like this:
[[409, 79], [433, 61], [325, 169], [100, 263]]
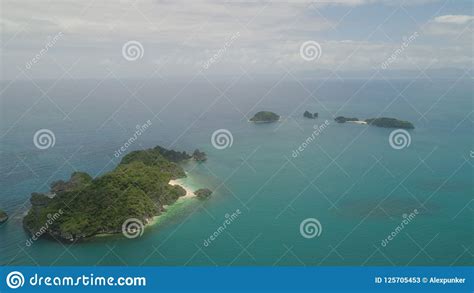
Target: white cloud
[[179, 35], [454, 19], [451, 26]]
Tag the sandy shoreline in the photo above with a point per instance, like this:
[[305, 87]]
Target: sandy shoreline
[[358, 122], [189, 191]]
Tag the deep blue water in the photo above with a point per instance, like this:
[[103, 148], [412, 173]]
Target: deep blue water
[[349, 178]]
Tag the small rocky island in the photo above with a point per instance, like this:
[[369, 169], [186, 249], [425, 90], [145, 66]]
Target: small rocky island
[[137, 188], [342, 119], [265, 117], [379, 122], [3, 217], [199, 156], [203, 193], [309, 115]]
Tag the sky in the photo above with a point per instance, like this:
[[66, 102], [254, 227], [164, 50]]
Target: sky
[[143, 38]]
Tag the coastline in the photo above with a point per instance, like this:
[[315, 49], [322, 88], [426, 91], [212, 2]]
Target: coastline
[[181, 200], [357, 122], [189, 190], [156, 219]]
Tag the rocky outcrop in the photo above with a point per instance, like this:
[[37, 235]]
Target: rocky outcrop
[[77, 179], [199, 156], [3, 217], [203, 193], [307, 114]]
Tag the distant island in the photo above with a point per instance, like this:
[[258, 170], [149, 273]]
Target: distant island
[[342, 119], [3, 217], [265, 117], [379, 122], [390, 123], [137, 188], [309, 115]]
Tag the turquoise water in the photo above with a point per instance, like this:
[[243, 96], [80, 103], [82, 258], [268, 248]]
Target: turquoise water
[[349, 178]]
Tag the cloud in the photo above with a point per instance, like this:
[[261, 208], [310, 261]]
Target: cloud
[[454, 19], [456, 26], [178, 36]]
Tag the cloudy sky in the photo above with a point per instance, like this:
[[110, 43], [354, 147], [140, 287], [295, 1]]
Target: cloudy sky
[[85, 39]]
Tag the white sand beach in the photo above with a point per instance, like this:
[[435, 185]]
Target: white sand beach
[[358, 122], [189, 191]]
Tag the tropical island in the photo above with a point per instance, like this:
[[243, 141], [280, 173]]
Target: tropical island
[[265, 117], [137, 188], [310, 115], [379, 122], [3, 217]]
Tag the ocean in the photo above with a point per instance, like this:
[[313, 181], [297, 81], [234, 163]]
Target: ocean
[[366, 201]]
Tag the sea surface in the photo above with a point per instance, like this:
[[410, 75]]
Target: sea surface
[[350, 179]]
